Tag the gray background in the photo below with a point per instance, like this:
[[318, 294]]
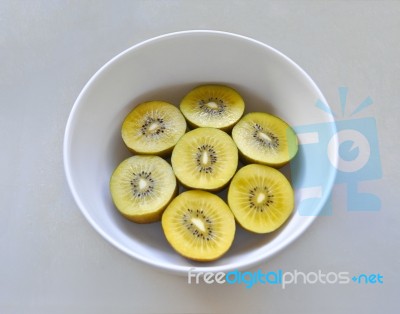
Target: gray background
[[53, 261]]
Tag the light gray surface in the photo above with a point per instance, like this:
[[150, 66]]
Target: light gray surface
[[52, 260]]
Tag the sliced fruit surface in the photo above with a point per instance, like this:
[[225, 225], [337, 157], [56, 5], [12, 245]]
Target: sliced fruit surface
[[266, 139], [205, 158], [261, 198], [199, 225], [216, 106], [153, 128], [142, 186]]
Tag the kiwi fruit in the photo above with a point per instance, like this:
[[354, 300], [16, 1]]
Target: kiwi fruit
[[142, 186], [199, 225], [153, 128], [205, 158], [265, 139], [261, 198], [216, 106]]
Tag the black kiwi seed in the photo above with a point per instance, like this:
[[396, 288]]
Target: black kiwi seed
[[186, 219], [212, 111], [144, 129], [212, 154], [136, 191], [264, 205], [273, 143]]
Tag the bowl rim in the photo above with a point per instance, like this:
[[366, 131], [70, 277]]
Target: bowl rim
[[177, 269]]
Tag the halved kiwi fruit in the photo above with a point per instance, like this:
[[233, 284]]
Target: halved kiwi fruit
[[199, 225], [153, 128], [216, 106], [261, 198], [142, 186], [205, 158], [265, 139]]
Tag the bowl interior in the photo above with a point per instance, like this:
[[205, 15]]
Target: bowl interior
[[166, 68]]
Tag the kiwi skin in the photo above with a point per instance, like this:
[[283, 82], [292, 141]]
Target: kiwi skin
[[248, 160], [216, 190], [163, 153], [227, 129]]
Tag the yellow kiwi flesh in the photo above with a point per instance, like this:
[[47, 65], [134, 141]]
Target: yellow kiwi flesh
[[216, 106], [153, 128], [205, 158], [199, 225], [265, 139], [261, 198], [142, 186]]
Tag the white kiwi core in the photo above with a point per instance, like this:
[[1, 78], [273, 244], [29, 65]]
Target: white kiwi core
[[260, 197], [154, 126], [212, 105], [143, 184], [204, 158], [264, 136], [199, 224]]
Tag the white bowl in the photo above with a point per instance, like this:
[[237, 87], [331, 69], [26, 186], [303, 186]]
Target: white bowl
[[165, 68]]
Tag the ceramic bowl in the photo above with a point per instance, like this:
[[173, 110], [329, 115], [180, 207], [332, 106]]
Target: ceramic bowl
[[166, 68]]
